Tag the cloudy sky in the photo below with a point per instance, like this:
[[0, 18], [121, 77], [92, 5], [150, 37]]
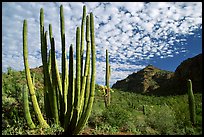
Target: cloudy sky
[[135, 33]]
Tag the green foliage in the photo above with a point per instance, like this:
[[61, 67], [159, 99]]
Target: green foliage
[[164, 115], [161, 118]]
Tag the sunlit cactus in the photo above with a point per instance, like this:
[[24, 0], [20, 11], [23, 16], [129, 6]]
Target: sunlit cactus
[[36, 107], [68, 100], [26, 108]]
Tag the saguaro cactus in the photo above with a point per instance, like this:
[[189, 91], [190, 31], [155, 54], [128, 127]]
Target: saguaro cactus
[[191, 102], [68, 99]]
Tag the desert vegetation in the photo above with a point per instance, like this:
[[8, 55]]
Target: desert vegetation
[[129, 113]]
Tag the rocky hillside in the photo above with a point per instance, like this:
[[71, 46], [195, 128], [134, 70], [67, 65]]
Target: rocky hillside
[[190, 69], [146, 80], [153, 80]]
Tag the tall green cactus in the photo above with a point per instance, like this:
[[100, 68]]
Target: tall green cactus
[[191, 102], [68, 99], [26, 108], [64, 67], [107, 96], [82, 37], [36, 107]]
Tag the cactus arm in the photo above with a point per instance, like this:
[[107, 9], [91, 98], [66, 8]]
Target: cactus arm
[[191, 101], [82, 37], [107, 69], [36, 107], [49, 62], [66, 86], [78, 65], [70, 97], [107, 79], [78, 82], [87, 93], [63, 45], [57, 71], [26, 108], [88, 67], [44, 61], [62, 26], [47, 79], [54, 83], [93, 54], [87, 62]]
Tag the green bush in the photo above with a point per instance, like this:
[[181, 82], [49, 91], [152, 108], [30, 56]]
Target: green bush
[[161, 118]]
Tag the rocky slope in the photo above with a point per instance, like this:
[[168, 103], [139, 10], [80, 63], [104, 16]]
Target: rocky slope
[[190, 69], [153, 80]]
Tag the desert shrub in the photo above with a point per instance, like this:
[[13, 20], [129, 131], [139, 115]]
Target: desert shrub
[[161, 118], [119, 117]]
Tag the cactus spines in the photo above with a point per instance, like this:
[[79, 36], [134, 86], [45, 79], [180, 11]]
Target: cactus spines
[[38, 113], [26, 108], [191, 102]]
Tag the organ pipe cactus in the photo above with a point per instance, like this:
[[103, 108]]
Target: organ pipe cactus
[[68, 100], [191, 102]]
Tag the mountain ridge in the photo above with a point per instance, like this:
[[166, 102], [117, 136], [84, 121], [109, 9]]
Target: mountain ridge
[[152, 80]]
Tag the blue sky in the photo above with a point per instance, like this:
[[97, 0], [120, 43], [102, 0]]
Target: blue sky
[[135, 33]]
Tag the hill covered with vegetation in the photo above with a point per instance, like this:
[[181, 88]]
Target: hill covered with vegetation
[[155, 81]]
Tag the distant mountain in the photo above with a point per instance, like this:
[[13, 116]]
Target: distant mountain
[[152, 80]]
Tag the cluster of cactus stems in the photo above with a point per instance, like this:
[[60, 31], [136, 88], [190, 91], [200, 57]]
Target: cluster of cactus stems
[[68, 100], [191, 102]]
